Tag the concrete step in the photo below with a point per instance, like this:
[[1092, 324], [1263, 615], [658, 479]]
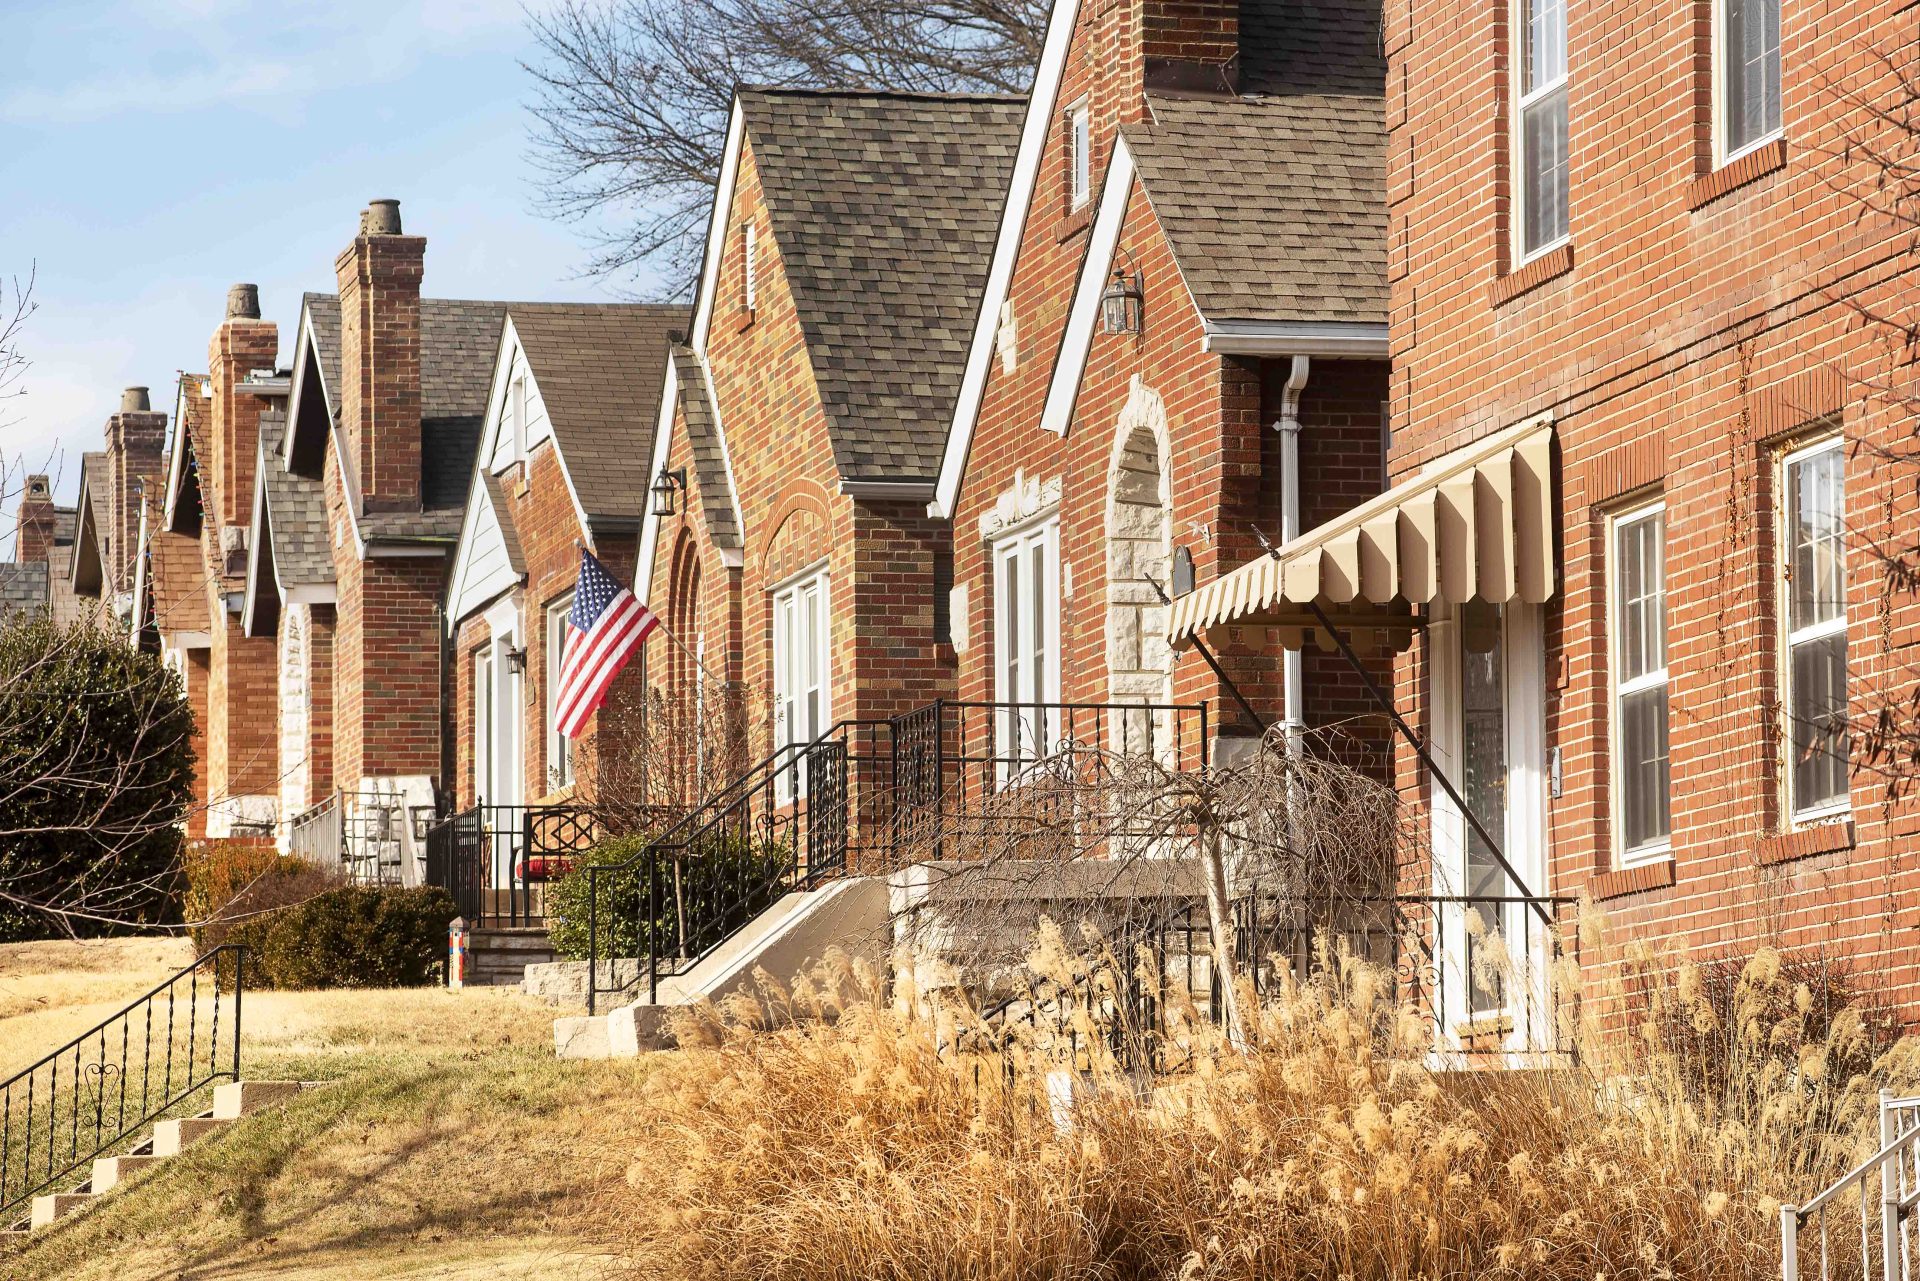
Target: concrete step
[[243, 1098], [171, 1138], [48, 1209], [109, 1172]]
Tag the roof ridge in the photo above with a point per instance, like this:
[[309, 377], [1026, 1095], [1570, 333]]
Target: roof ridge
[[925, 95]]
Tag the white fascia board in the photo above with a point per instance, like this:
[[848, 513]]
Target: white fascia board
[[1034, 132], [1071, 361], [662, 443], [305, 351], [176, 455], [139, 578], [882, 491], [187, 640], [717, 228], [1331, 339], [310, 594], [262, 534]]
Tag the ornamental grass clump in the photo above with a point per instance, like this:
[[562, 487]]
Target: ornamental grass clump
[[828, 1131]]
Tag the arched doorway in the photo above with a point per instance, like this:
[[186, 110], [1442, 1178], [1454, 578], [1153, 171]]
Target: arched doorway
[[1139, 567]]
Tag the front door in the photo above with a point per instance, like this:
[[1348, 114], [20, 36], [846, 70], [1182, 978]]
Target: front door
[[801, 658], [1489, 739]]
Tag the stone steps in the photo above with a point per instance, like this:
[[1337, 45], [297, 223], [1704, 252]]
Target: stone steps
[[499, 958], [168, 1138]]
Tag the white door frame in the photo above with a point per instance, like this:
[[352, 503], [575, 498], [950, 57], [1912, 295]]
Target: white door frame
[[1522, 830], [800, 665], [1024, 734]]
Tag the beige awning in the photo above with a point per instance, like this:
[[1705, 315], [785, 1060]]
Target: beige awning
[[1475, 522]]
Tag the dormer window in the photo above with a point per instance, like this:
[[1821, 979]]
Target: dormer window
[[749, 267], [1079, 155]]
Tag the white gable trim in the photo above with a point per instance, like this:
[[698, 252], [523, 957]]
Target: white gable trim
[[717, 225], [1071, 363], [496, 419], [304, 347], [474, 584], [176, 455], [662, 442], [1034, 133]]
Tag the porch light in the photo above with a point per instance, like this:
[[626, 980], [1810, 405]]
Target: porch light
[[663, 486], [1122, 303], [517, 659]]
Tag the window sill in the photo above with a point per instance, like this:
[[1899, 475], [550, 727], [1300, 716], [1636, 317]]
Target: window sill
[[1654, 875], [1557, 261], [1736, 173], [1076, 221], [1805, 842]]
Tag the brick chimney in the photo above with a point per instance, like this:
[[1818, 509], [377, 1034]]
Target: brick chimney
[[379, 276], [242, 344], [35, 528], [136, 443], [1190, 46]]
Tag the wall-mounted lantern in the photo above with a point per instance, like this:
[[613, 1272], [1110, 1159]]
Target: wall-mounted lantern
[[1123, 303], [517, 659], [664, 486]]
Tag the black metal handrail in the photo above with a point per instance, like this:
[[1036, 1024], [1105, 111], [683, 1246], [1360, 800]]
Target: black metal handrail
[[498, 860], [81, 1100]]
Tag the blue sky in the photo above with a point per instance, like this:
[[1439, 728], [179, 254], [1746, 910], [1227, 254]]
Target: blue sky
[[153, 153]]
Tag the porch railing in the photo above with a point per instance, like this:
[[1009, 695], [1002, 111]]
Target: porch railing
[[319, 835], [1862, 1227], [144, 1061], [499, 860]]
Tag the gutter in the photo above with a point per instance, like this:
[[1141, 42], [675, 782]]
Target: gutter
[[1330, 339]]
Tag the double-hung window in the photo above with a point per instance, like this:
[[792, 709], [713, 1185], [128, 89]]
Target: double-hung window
[[1079, 155], [1026, 644], [1813, 483], [1637, 590], [801, 664], [1747, 74], [1540, 125], [559, 746]]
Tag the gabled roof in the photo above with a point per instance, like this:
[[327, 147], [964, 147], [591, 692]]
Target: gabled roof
[[599, 367], [884, 208], [89, 572], [1275, 202], [24, 587], [177, 582], [183, 508], [703, 442], [289, 557], [458, 339]]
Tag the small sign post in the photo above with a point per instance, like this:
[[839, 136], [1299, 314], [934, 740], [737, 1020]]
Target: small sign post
[[457, 953]]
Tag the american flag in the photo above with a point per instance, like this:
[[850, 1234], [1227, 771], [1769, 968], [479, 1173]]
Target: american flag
[[603, 631]]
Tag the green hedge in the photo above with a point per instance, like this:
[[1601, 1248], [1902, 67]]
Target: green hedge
[[715, 870], [356, 936]]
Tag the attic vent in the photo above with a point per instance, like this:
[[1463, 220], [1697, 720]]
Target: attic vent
[[233, 550]]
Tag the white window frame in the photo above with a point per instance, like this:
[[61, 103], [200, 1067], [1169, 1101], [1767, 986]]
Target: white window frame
[[559, 746], [804, 601], [1619, 690], [483, 714], [1799, 816], [749, 266], [1722, 68], [1079, 155], [1523, 98], [1023, 734]]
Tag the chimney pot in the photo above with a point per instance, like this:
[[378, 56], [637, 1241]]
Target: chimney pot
[[134, 400], [382, 218], [243, 302]]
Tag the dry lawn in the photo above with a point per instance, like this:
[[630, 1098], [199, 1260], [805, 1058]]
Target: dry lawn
[[448, 1143]]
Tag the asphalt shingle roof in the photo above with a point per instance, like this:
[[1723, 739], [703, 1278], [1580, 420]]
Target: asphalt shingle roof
[[885, 208], [599, 369], [176, 577], [459, 339], [23, 587], [703, 441], [296, 511], [1275, 201]]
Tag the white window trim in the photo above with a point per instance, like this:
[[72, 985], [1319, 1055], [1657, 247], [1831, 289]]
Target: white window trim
[[1013, 729], [1079, 154], [793, 592], [749, 266], [1790, 636], [559, 746], [1717, 22], [483, 715], [1655, 851], [1517, 133]]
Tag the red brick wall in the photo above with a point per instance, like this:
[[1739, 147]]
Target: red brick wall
[[34, 528], [379, 279], [1699, 320], [135, 441], [238, 347], [196, 672], [243, 710]]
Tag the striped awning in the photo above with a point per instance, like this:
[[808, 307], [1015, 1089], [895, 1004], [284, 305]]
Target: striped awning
[[1475, 522]]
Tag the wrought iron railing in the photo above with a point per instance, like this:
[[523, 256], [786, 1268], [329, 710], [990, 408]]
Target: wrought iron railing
[[1475, 1009], [319, 836], [955, 762], [498, 860], [148, 1059]]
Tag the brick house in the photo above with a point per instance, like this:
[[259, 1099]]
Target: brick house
[[39, 577], [804, 415], [562, 464], [208, 500], [1188, 288], [361, 499], [1640, 472]]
